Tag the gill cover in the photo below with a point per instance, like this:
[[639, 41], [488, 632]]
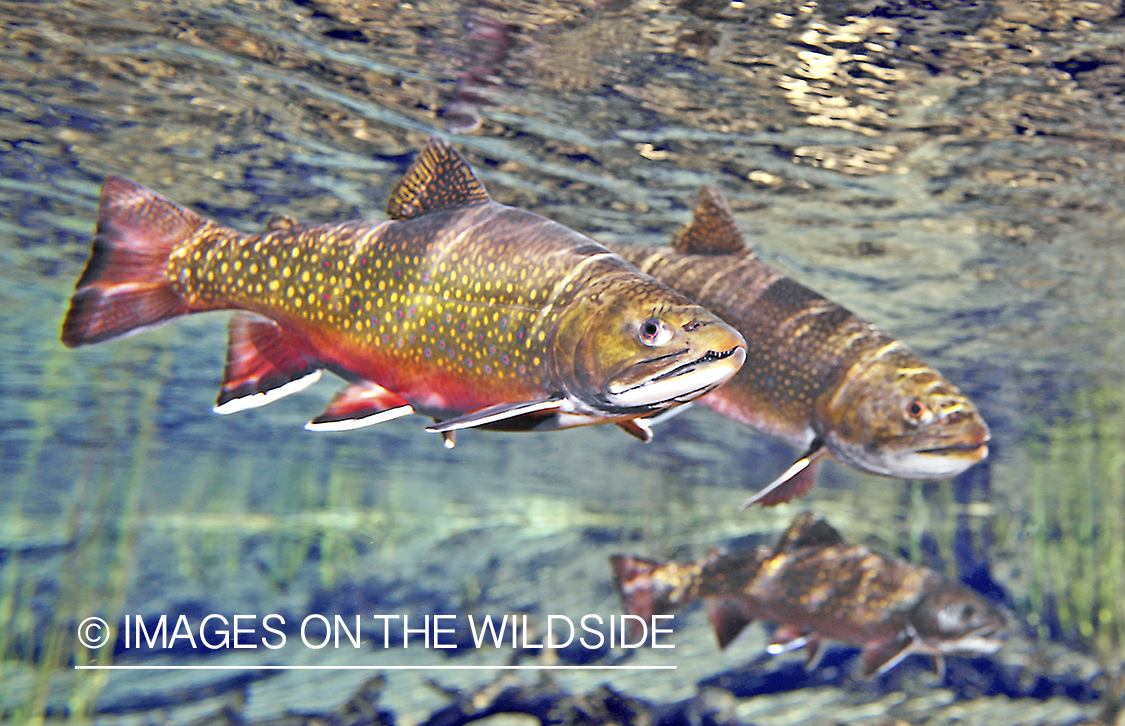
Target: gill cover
[[638, 352]]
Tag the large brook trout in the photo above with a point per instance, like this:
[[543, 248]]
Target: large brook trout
[[458, 308], [816, 375], [817, 588]]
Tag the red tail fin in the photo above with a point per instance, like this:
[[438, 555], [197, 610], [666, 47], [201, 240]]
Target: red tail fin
[[125, 287]]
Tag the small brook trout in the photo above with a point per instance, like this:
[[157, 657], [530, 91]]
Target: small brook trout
[[817, 587], [816, 375], [458, 308]]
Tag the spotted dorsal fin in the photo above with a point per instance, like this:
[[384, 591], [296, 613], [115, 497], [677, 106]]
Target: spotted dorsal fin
[[439, 178], [712, 230]]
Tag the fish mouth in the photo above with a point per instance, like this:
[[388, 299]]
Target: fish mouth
[[984, 641], [680, 384], [976, 451]]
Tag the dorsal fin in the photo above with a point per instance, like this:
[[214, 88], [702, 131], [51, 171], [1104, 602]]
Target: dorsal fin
[[712, 229], [808, 530], [439, 178]]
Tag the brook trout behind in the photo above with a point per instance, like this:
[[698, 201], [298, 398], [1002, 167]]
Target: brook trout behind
[[818, 587], [816, 375], [458, 308]]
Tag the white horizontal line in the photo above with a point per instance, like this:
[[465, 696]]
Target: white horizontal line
[[372, 668]]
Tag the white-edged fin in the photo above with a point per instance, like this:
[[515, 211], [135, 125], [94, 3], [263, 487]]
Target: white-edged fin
[[254, 400], [492, 414], [361, 404], [449, 439], [637, 427], [790, 484], [352, 424], [669, 413], [779, 648]]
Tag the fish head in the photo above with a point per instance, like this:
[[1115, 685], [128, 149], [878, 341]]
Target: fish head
[[951, 618], [894, 415], [630, 345]]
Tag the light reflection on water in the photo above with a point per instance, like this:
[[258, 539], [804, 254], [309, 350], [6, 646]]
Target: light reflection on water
[[970, 206]]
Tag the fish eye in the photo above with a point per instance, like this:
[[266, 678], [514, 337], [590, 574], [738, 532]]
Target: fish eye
[[918, 412], [654, 332]]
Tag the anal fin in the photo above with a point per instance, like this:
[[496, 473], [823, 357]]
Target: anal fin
[[264, 363], [360, 404], [794, 482], [728, 618]]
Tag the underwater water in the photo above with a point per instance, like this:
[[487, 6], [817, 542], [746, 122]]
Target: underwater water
[[951, 172]]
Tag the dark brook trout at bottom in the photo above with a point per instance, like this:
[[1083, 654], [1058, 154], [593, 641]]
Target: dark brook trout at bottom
[[817, 587], [816, 375], [458, 308]]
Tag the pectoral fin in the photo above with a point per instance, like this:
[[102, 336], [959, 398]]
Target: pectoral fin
[[881, 659], [795, 481], [493, 414], [358, 405], [637, 427]]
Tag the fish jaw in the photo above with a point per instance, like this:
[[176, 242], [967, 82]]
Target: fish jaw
[[640, 388], [896, 416]]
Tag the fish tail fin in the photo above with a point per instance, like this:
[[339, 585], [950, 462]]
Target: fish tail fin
[[649, 587], [125, 287]]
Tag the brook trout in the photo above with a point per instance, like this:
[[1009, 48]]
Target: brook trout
[[458, 308], [816, 375], [817, 587]]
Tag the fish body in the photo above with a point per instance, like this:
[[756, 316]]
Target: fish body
[[818, 587], [457, 307], [816, 375]]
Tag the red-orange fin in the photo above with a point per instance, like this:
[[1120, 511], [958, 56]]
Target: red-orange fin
[[882, 658], [712, 230], [787, 638], [439, 178], [794, 482], [360, 404], [125, 287], [496, 413], [790, 637], [264, 363], [728, 617]]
